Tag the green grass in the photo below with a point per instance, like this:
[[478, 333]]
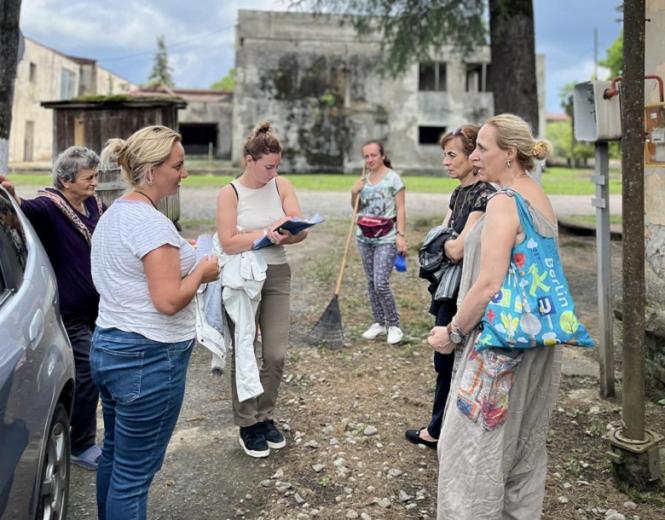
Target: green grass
[[556, 181], [30, 179], [568, 181], [590, 220]]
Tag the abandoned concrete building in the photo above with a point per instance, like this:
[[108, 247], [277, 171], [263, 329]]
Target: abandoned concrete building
[[47, 74], [321, 87], [205, 124], [310, 75]]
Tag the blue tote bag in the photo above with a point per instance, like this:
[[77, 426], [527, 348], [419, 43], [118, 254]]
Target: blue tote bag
[[534, 307]]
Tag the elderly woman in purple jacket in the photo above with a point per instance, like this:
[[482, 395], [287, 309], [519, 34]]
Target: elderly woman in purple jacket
[[64, 218]]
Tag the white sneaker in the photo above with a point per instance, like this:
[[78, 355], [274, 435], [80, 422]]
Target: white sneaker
[[375, 330], [395, 335]]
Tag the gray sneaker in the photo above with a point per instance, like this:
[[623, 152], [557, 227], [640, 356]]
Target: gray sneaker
[[89, 458]]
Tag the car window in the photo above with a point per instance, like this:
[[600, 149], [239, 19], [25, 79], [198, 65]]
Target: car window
[[13, 251]]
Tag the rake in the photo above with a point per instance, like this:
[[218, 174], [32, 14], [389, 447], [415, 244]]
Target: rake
[[328, 331]]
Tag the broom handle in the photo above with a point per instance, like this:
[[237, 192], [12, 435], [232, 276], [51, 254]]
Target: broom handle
[[338, 285]]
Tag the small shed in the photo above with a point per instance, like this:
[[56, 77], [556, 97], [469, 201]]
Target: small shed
[[90, 121]]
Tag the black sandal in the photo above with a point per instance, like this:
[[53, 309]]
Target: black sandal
[[414, 437]]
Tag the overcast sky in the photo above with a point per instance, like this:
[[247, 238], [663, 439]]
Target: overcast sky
[[199, 34]]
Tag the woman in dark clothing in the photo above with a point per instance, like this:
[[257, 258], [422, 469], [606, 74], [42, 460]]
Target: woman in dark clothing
[[64, 218], [467, 204]]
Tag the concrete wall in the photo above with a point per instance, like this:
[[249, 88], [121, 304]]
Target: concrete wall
[[40, 78], [108, 83], [210, 107], [322, 89], [654, 178], [46, 66]]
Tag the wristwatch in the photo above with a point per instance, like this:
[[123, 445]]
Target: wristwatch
[[455, 335]]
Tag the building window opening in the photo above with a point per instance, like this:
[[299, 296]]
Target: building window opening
[[67, 84], [430, 134], [475, 77], [432, 77], [33, 73], [197, 138]]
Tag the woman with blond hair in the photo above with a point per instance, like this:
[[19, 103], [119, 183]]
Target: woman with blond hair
[[492, 456], [146, 275], [252, 207]]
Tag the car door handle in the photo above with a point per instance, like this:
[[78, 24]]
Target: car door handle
[[36, 330]]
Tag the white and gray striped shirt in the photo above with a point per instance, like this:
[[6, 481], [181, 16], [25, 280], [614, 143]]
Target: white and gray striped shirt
[[127, 232]]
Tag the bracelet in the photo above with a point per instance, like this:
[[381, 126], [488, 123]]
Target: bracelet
[[454, 326]]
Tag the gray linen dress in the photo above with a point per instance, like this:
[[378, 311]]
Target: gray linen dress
[[498, 473]]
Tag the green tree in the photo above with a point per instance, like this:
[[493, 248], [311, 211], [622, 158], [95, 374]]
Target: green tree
[[562, 133], [10, 11], [512, 73], [566, 100], [559, 134], [614, 59], [227, 83], [412, 30], [161, 71]]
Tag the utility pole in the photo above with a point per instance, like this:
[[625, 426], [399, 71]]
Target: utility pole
[[635, 453], [595, 53], [632, 168]]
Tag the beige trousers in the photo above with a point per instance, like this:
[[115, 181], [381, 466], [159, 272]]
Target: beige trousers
[[272, 316]]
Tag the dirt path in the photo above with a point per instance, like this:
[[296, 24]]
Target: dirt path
[[199, 203], [345, 412]]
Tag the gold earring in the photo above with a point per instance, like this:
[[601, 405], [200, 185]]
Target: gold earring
[[508, 163]]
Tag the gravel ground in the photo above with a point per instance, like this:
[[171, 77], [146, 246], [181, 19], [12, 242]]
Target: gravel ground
[[205, 475], [199, 203]]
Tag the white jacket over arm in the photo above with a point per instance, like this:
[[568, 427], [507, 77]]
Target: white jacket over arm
[[242, 280]]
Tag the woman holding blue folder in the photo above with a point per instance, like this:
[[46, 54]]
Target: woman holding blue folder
[[249, 209]]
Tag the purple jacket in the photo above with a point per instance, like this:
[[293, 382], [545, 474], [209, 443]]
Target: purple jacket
[[69, 253]]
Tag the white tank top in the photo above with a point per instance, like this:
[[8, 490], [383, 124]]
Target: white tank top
[[258, 209]]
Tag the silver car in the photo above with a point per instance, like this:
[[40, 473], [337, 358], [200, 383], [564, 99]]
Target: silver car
[[36, 376]]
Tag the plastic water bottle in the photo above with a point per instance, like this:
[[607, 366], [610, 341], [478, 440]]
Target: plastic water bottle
[[400, 263]]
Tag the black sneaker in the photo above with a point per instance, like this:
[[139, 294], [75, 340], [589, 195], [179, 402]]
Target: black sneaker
[[274, 437], [253, 441]]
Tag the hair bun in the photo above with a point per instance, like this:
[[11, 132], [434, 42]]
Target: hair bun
[[263, 128], [109, 155], [541, 149]]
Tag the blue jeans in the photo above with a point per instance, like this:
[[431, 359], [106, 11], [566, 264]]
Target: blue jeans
[[141, 384]]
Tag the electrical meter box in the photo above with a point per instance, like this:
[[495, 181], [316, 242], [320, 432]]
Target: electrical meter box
[[596, 118], [654, 127]]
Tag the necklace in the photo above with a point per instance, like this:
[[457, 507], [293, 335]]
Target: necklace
[[80, 207], [147, 197]]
